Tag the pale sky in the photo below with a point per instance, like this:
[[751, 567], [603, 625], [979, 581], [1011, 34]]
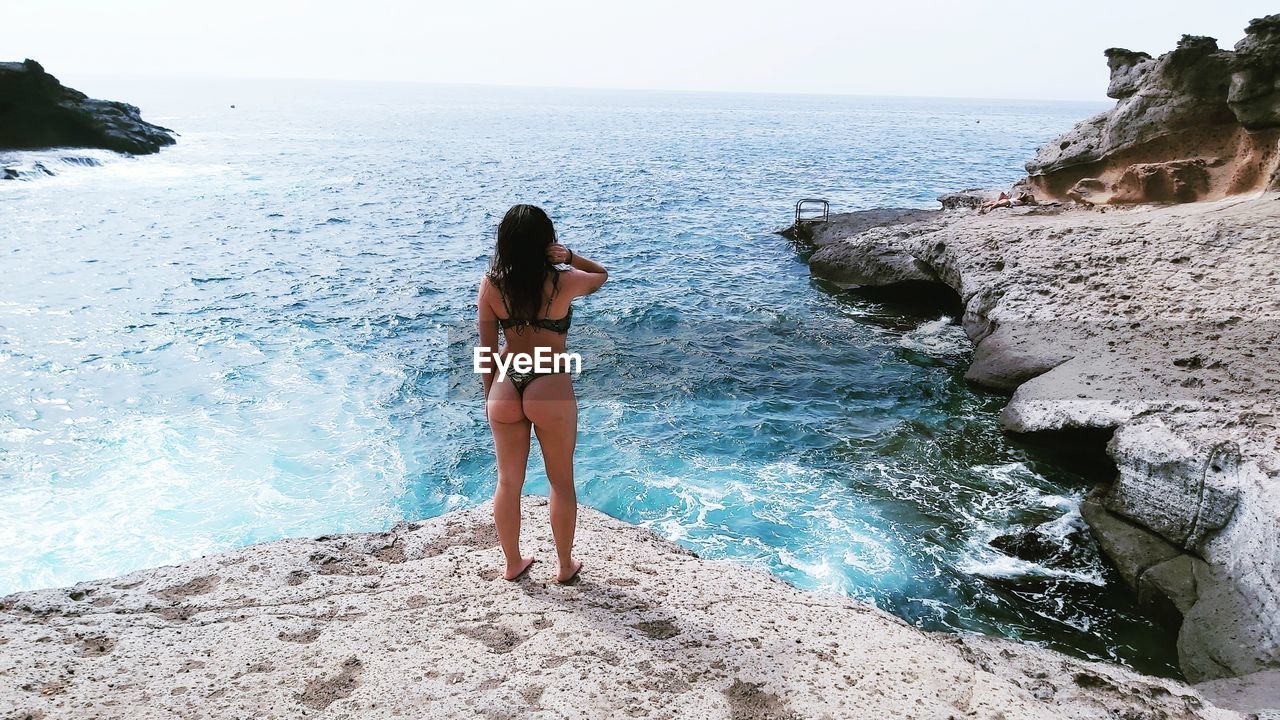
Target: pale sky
[[962, 48]]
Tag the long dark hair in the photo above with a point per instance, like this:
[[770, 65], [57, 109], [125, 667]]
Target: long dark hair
[[520, 266]]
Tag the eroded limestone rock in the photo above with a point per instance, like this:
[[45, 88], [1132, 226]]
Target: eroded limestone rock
[[1156, 464], [1196, 123], [869, 265], [1254, 94], [1162, 323]]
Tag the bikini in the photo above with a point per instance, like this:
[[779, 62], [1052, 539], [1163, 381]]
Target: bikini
[[521, 380]]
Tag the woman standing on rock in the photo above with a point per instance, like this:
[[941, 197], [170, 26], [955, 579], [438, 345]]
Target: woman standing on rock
[[526, 296]]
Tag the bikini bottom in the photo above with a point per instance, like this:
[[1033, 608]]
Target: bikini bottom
[[520, 380]]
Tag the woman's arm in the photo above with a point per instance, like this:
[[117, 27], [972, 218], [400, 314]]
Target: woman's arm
[[487, 323], [592, 273]]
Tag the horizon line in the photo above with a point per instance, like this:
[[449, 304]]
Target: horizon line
[[592, 88]]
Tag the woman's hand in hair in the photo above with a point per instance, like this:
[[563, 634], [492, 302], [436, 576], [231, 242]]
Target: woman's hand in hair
[[557, 254]]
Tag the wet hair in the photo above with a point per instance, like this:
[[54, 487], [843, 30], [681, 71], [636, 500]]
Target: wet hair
[[519, 266]]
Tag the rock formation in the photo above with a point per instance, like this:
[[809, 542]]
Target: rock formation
[[416, 622], [36, 111], [1160, 323], [1197, 123], [1163, 324]]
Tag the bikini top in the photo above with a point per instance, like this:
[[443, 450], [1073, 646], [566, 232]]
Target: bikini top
[[557, 326]]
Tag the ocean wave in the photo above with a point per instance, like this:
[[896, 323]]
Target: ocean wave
[[30, 165]]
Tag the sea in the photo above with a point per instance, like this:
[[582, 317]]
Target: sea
[[264, 332]]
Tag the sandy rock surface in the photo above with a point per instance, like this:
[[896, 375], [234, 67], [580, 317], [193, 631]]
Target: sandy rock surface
[[1162, 322], [416, 622], [1257, 694]]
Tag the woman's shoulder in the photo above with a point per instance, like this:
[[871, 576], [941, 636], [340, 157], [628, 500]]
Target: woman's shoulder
[[489, 285]]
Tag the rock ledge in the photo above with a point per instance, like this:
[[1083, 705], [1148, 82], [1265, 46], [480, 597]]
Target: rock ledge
[[1162, 324], [416, 622]]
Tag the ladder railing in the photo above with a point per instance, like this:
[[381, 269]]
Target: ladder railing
[[812, 210]]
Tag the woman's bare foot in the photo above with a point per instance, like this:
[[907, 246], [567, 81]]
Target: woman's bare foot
[[514, 573], [570, 573]]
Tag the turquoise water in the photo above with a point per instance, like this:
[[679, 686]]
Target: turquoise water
[[252, 335]]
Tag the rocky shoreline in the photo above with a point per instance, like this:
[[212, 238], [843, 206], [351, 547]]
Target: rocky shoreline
[[1152, 324], [1130, 286], [1136, 321], [417, 622]]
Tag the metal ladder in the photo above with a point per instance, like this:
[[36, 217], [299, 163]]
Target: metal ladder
[[808, 211]]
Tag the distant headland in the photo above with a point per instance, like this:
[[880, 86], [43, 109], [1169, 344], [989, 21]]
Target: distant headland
[[37, 111]]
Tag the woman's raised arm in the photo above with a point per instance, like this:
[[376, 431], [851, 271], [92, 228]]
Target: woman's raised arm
[[591, 274]]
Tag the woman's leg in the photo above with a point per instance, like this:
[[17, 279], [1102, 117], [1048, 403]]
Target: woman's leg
[[511, 445], [550, 405]]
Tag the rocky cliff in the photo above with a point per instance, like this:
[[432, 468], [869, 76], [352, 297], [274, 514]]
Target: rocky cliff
[[416, 622], [1158, 323], [1161, 323], [1196, 123], [36, 111]]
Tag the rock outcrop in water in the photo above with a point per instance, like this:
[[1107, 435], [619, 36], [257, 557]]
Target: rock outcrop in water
[[416, 622], [36, 111], [1197, 123]]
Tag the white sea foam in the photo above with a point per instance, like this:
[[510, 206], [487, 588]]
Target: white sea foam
[[999, 565], [941, 337]]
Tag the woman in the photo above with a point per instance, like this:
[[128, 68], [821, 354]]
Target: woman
[[529, 298]]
